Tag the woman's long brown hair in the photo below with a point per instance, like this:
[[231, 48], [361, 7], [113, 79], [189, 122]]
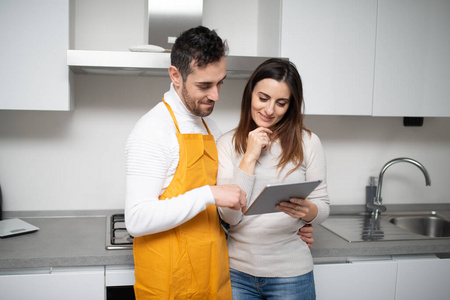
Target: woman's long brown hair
[[289, 129]]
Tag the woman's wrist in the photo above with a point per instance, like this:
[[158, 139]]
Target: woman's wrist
[[312, 214], [247, 165]]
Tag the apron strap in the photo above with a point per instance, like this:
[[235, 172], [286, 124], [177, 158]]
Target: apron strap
[[173, 116], [204, 123]]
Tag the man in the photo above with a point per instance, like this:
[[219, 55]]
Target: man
[[180, 248]]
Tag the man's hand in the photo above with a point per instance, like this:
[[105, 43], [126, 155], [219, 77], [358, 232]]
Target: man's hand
[[305, 234], [229, 195]]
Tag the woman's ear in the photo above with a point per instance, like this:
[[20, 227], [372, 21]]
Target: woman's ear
[[175, 76]]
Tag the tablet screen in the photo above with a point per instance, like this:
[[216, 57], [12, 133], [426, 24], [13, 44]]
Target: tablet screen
[[273, 194]]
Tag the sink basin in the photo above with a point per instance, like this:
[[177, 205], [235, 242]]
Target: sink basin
[[399, 225], [427, 225]]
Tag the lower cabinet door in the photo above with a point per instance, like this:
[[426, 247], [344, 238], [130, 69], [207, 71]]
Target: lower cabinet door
[[423, 278], [57, 283], [356, 280]]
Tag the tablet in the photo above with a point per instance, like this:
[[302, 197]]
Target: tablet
[[273, 194]]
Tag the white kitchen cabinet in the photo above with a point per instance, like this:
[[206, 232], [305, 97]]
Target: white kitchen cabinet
[[422, 278], [412, 65], [33, 55], [356, 280], [54, 284], [119, 275], [378, 57], [332, 43]]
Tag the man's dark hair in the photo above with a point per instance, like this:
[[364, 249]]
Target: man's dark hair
[[198, 44]]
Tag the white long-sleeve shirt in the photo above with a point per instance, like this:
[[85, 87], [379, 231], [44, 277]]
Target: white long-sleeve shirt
[[152, 155]]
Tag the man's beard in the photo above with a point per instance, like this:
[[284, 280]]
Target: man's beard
[[191, 105]]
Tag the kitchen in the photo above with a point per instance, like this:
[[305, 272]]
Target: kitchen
[[65, 162]]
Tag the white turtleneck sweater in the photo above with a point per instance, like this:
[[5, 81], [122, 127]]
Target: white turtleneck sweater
[[152, 155]]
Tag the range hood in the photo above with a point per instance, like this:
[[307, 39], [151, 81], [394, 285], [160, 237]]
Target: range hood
[[146, 64], [166, 20]]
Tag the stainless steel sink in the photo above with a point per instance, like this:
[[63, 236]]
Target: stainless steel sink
[[428, 225], [390, 226]]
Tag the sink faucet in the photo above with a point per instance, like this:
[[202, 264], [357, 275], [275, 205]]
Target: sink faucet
[[377, 205]]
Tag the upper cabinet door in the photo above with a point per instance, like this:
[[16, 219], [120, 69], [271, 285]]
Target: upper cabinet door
[[332, 44], [412, 66], [33, 55]]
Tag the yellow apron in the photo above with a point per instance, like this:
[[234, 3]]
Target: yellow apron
[[191, 260]]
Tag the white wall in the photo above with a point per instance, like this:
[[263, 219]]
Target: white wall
[[113, 25], [237, 26], [75, 160]]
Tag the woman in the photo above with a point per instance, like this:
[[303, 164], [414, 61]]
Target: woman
[[271, 145]]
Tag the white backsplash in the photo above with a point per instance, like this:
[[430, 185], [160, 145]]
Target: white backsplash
[[75, 160]]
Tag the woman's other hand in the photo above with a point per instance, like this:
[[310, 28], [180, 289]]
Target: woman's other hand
[[257, 140]]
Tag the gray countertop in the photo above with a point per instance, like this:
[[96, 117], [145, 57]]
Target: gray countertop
[[67, 241], [60, 242]]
